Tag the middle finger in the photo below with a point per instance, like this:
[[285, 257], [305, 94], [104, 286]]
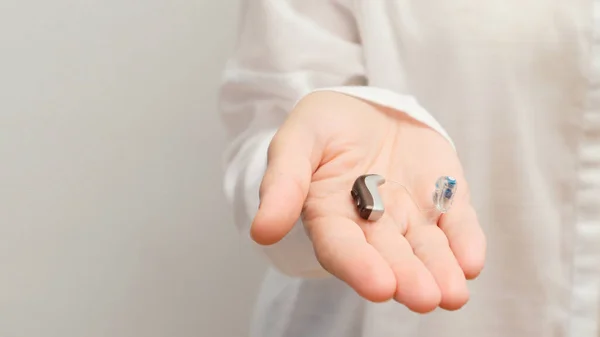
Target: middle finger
[[415, 286]]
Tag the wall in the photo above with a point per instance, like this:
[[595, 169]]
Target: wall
[[112, 218]]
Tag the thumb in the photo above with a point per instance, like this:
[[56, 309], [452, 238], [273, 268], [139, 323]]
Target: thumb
[[292, 158]]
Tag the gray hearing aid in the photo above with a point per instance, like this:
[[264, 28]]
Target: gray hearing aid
[[365, 193]]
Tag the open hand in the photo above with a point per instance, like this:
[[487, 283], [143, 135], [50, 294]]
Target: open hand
[[328, 141]]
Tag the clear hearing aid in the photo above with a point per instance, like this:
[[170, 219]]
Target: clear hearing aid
[[370, 205], [443, 195]]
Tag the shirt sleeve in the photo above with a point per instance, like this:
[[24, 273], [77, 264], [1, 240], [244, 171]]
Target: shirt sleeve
[[285, 50]]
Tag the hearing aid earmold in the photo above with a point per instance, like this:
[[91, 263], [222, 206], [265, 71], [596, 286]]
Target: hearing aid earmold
[[443, 195], [370, 205]]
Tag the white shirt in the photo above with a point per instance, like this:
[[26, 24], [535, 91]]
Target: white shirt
[[516, 86]]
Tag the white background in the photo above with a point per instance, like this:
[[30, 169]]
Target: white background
[[112, 217]]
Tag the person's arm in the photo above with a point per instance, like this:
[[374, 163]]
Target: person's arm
[[287, 49]]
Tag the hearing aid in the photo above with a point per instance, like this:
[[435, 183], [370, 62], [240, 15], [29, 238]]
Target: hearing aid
[[370, 205], [365, 193], [443, 195]]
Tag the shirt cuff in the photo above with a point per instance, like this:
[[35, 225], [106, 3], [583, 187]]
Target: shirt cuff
[[402, 103]]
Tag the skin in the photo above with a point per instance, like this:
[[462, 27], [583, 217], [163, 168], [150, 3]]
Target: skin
[[420, 260]]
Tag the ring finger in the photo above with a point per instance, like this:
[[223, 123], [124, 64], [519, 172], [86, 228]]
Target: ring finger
[[430, 245]]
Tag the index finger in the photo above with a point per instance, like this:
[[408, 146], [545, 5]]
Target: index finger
[[342, 249]]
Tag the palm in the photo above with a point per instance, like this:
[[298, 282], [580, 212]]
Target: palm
[[405, 254]]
